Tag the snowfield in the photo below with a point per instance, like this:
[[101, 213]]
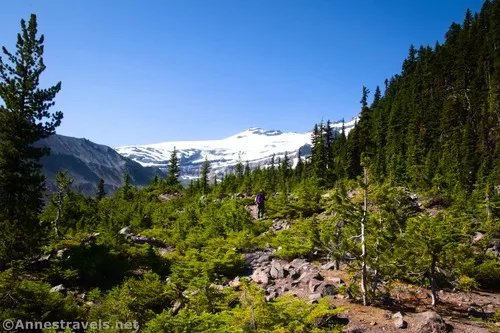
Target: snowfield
[[254, 145]]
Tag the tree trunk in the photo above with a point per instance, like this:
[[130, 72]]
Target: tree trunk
[[58, 216], [432, 281], [363, 244], [487, 204]]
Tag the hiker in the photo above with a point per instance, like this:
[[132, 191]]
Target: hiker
[[259, 200]]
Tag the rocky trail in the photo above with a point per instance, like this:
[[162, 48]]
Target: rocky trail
[[406, 308]]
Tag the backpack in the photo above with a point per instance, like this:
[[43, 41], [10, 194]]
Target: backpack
[[260, 198]]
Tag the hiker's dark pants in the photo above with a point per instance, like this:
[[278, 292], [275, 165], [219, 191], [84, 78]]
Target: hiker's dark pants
[[260, 212]]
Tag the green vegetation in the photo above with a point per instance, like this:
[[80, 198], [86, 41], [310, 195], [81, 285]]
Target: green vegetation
[[399, 199]]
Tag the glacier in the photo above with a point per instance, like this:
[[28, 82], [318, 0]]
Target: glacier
[[255, 146]]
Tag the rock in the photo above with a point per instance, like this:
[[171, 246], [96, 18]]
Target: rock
[[429, 322], [495, 251], [58, 288], [400, 323], [315, 297], [373, 323], [397, 315], [328, 290], [280, 224], [125, 231], [177, 306], [314, 284], [164, 251], [217, 286], [336, 280], [328, 266], [60, 253], [45, 257], [477, 236], [277, 271], [235, 282], [260, 276], [140, 239], [271, 296], [294, 274], [475, 312], [296, 263], [90, 238], [264, 258], [168, 196]]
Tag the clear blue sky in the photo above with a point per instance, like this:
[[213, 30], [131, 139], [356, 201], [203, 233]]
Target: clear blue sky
[[144, 71]]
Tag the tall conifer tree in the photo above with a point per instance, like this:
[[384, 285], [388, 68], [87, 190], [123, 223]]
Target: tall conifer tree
[[25, 118]]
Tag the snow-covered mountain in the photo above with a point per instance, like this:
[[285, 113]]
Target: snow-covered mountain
[[254, 145]]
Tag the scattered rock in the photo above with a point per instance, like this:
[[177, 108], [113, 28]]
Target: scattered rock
[[315, 297], [177, 306], [280, 224], [400, 323], [277, 271], [60, 253], [477, 236], [140, 239], [168, 196], [313, 285], [125, 231], [271, 296], [397, 315], [475, 312], [336, 280], [430, 322], [90, 238], [328, 266], [58, 288], [328, 290], [235, 282], [260, 276]]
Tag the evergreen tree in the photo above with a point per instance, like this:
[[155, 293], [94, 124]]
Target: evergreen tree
[[299, 168], [24, 119], [204, 173], [63, 182], [174, 169], [239, 168], [101, 193], [127, 187], [247, 171]]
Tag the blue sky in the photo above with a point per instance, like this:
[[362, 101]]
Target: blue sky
[[147, 71]]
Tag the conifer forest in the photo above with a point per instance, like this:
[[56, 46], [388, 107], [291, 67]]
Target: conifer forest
[[394, 226]]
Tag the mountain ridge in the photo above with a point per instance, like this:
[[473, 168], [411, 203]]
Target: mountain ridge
[[255, 145], [87, 162]]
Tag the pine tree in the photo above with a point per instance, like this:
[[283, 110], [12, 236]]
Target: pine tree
[[63, 183], [24, 119], [239, 168], [127, 187], [247, 171], [101, 193], [299, 168], [204, 172], [174, 169]]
